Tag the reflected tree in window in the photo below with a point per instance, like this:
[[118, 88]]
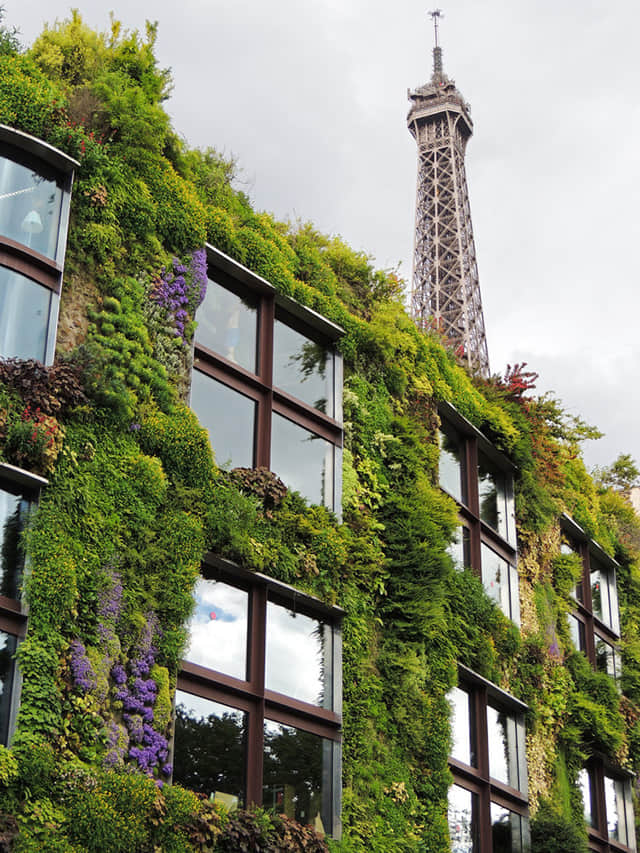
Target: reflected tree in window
[[292, 772], [210, 751]]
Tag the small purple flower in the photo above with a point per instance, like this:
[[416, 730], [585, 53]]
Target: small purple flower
[[84, 678]]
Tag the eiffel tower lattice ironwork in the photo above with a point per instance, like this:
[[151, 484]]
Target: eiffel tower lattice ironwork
[[445, 292]]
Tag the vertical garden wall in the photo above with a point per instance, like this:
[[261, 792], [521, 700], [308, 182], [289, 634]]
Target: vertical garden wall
[[135, 498]]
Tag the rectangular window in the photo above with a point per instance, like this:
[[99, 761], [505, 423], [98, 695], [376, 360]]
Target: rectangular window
[[259, 699], [35, 195], [481, 481], [268, 388], [488, 808]]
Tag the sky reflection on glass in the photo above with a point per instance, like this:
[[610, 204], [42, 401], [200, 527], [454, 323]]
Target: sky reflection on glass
[[13, 516], [492, 495], [450, 467], [228, 325], [303, 368], [229, 418], [462, 747], [302, 460], [295, 652], [460, 816], [503, 747], [218, 628], [8, 645], [24, 316]]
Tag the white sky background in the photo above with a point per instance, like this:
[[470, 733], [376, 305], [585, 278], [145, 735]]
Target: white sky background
[[310, 97]]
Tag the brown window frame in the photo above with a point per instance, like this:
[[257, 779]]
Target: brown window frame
[[53, 164], [479, 531], [477, 779], [259, 386], [598, 834], [251, 696], [13, 614], [591, 553]]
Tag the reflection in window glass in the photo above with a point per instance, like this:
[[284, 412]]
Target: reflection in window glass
[[29, 208], [302, 460], [228, 325], [507, 830], [615, 808], [451, 465], [577, 631], [8, 644], [492, 495], [218, 628], [297, 770], [462, 727], [500, 581], [604, 598], [209, 751], [13, 516], [24, 316], [228, 416], [298, 656], [606, 658], [462, 820], [458, 550], [303, 368], [586, 789], [503, 747]]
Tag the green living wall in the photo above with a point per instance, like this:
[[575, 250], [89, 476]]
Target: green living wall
[[135, 498]]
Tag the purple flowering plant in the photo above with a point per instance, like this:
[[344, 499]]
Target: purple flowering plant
[[179, 290]]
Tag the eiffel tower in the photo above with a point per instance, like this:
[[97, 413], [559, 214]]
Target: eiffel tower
[[445, 293]]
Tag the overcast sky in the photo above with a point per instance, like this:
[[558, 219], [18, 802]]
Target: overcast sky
[[310, 97]]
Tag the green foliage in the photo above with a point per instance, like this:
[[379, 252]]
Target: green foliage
[[553, 833]]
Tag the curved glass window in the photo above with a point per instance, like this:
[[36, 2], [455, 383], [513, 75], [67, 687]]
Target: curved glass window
[[30, 207], [8, 645], [303, 368], [24, 316]]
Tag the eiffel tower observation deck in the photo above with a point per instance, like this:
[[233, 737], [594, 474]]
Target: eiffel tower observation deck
[[445, 292]]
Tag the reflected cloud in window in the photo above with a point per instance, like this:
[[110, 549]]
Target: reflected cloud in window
[[24, 316], [298, 655], [303, 368], [228, 325], [218, 628], [302, 460], [229, 418]]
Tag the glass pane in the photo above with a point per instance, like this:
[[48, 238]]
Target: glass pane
[[506, 830], [600, 595], [458, 550], [229, 418], [451, 466], [24, 316], [298, 775], [492, 495], [462, 727], [495, 578], [503, 747], [209, 750], [303, 368], [577, 631], [228, 325], [14, 510], [8, 644], [298, 656], [218, 628], [29, 208], [615, 806], [462, 818], [606, 658], [303, 461], [586, 789]]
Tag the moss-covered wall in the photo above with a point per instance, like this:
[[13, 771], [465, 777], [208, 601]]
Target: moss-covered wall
[[135, 498]]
